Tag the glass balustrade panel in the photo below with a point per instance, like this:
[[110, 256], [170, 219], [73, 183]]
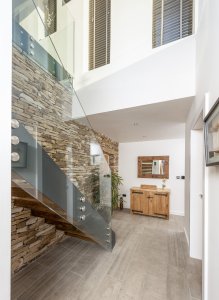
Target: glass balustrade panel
[[63, 163]]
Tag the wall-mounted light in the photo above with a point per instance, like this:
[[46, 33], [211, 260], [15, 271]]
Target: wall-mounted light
[[95, 152]]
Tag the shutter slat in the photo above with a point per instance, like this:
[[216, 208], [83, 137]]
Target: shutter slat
[[156, 35], [91, 34], [171, 21], [187, 14]]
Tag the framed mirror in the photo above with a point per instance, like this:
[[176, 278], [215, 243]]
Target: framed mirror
[[212, 136], [153, 167]]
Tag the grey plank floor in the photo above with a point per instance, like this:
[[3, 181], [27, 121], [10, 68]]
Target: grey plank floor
[[149, 262]]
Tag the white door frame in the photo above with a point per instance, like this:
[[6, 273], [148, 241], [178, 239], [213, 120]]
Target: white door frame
[[205, 212], [196, 193]]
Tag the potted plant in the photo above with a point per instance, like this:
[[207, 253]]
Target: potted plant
[[116, 181], [121, 201]]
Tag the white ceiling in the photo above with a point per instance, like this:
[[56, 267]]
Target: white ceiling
[[159, 121]]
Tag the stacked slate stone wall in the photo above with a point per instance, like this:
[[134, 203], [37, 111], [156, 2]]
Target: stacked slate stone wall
[[31, 237]]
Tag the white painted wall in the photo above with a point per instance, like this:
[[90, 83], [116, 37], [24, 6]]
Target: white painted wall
[[5, 149], [131, 30], [166, 75], [128, 153], [207, 82], [131, 38], [78, 10], [196, 190]]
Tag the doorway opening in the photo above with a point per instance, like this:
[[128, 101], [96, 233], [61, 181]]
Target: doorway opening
[[196, 189]]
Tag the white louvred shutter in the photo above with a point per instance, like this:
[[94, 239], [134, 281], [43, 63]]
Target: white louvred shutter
[[99, 33], [172, 20]]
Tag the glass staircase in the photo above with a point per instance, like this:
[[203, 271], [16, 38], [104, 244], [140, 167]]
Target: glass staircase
[[59, 170]]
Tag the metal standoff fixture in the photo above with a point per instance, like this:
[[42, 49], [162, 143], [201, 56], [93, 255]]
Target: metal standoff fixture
[[82, 199], [83, 208], [15, 156], [82, 218], [14, 123], [15, 140]]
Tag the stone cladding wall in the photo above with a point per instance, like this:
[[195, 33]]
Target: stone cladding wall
[[31, 237]]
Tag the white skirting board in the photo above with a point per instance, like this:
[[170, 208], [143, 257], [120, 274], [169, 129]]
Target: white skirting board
[[177, 213]]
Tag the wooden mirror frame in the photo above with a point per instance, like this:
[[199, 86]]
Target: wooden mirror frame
[[150, 159]]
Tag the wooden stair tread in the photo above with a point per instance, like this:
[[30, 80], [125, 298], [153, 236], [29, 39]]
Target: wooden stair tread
[[22, 195], [49, 216], [53, 215]]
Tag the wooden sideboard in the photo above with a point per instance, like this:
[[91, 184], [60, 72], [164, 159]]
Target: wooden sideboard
[[150, 201]]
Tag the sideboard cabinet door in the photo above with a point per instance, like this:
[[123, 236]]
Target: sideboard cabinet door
[[137, 199], [161, 204]]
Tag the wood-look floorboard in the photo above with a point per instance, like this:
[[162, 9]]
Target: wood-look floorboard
[[149, 262]]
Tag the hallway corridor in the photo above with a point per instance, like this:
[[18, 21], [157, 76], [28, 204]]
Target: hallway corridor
[[149, 262]]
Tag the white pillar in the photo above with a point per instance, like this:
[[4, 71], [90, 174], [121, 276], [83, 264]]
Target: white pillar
[[5, 148]]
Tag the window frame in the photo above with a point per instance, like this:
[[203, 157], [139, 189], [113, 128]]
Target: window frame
[[94, 45], [181, 16]]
